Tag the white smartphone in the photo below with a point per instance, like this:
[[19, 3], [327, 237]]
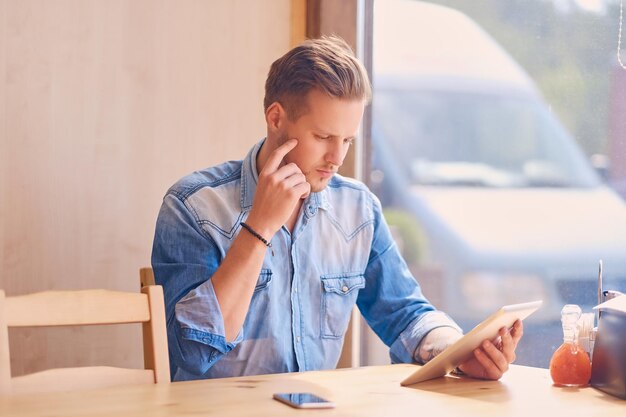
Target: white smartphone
[[303, 400]]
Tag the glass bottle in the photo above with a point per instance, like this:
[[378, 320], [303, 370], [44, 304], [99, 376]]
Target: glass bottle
[[570, 365]]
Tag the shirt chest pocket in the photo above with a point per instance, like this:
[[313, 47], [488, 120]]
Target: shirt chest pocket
[[265, 277], [339, 293]]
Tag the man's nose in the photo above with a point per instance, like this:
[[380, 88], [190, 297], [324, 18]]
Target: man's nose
[[336, 153]]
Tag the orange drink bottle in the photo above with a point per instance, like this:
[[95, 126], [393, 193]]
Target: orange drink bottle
[[570, 365]]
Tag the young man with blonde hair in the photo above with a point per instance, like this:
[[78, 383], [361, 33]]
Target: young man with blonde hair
[[262, 260]]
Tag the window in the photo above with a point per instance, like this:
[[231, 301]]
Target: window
[[485, 119]]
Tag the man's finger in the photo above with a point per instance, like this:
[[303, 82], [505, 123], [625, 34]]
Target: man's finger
[[497, 357], [295, 179], [510, 337], [273, 162], [506, 338], [517, 331], [507, 347], [490, 369], [304, 189], [286, 171]]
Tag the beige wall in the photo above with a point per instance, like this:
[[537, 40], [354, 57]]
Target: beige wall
[[103, 105]]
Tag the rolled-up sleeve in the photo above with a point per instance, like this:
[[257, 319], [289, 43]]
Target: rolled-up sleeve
[[184, 258], [392, 301], [404, 349]]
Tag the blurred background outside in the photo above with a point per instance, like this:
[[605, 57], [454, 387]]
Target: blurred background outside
[[499, 154]]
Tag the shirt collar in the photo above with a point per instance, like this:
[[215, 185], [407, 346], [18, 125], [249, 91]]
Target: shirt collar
[[250, 179], [249, 176]]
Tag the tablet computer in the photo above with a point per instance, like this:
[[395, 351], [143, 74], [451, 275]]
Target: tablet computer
[[462, 349]]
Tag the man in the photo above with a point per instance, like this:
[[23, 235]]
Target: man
[[262, 260]]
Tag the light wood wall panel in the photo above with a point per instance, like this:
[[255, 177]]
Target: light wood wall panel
[[298, 22], [103, 105]]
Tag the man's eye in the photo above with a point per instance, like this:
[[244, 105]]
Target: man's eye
[[349, 141], [322, 137]]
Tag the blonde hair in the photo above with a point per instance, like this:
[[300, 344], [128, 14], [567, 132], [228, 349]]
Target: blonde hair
[[327, 64]]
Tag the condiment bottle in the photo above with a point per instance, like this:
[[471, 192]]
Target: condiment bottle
[[570, 365]]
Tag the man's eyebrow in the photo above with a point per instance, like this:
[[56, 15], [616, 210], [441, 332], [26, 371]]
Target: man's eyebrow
[[323, 131]]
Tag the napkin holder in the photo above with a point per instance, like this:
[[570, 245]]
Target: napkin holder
[[608, 371]]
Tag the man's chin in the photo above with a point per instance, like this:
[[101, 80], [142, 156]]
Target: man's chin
[[317, 189], [319, 185]]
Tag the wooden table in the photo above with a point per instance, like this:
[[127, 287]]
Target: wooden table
[[368, 391]]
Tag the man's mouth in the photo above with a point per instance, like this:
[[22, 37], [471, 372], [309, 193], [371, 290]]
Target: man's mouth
[[325, 173]]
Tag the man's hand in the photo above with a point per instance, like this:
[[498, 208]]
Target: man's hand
[[278, 192], [491, 360]]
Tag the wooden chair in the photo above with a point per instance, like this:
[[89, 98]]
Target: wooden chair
[[146, 276], [87, 307]]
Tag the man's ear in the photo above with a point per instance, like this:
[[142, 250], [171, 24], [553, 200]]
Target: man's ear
[[275, 116]]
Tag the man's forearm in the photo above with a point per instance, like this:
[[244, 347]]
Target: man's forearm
[[235, 279]]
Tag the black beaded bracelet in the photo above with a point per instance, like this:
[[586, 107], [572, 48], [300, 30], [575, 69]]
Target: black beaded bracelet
[[258, 236]]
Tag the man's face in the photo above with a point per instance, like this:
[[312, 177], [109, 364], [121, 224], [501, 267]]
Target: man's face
[[324, 135]]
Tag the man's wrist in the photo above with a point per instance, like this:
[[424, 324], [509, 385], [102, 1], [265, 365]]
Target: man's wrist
[[260, 227], [436, 341], [257, 236]]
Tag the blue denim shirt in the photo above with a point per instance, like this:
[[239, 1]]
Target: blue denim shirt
[[339, 254]]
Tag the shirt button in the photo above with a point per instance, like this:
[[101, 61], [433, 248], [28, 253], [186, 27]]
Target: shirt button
[[344, 288], [298, 339], [295, 289]]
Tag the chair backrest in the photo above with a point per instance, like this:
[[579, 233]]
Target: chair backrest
[[79, 308], [146, 276]]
